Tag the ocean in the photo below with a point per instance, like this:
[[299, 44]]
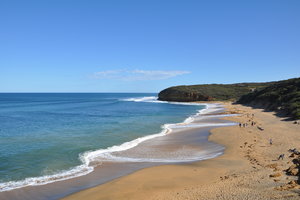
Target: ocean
[[48, 137]]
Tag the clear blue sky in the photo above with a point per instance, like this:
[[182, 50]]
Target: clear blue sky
[[145, 45]]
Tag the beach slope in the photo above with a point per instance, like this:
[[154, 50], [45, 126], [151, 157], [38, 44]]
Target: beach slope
[[249, 168]]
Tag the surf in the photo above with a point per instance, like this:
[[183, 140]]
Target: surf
[[92, 159]]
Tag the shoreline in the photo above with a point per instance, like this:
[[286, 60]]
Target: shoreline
[[186, 134], [90, 156], [248, 169]]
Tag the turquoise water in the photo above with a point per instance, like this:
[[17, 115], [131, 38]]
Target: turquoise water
[[47, 134]]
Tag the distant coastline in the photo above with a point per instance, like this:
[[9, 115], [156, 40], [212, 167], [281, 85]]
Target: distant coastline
[[282, 96]]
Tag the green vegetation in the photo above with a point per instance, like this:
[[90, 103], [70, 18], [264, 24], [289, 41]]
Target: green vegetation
[[209, 92], [281, 96]]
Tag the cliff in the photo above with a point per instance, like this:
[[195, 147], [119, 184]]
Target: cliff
[[282, 97], [208, 92]]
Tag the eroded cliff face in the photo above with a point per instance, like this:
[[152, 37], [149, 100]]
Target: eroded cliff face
[[209, 92], [171, 94]]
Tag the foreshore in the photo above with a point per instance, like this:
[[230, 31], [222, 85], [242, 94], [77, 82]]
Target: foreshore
[[248, 169]]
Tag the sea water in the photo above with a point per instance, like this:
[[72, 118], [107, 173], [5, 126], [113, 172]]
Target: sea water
[[47, 137]]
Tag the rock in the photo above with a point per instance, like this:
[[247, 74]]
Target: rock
[[182, 95], [292, 155], [293, 182], [293, 170], [296, 161]]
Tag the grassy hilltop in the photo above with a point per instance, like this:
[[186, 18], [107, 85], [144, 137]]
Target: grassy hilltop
[[281, 96]]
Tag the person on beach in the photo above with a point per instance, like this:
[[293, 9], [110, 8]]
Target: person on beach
[[271, 141], [240, 124], [281, 156]]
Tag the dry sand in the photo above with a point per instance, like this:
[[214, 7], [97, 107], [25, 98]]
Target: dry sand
[[244, 171]]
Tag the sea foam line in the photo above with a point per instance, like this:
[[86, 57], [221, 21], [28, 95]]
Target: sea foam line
[[87, 158]]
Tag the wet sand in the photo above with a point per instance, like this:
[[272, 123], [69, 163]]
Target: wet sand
[[249, 168]]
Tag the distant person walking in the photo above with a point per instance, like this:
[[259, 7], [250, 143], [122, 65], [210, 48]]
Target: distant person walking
[[271, 141], [281, 156]]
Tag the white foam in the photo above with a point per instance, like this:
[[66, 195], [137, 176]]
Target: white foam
[[87, 157], [154, 99], [221, 116], [150, 99], [91, 159], [42, 180], [202, 125], [200, 156]]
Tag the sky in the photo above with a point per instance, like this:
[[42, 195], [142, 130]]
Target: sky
[[145, 45]]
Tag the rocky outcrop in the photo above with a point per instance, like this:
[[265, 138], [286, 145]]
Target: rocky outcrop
[[181, 96], [293, 170], [208, 92]]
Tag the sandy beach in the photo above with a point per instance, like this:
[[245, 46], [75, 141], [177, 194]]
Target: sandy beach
[[249, 168], [150, 100]]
